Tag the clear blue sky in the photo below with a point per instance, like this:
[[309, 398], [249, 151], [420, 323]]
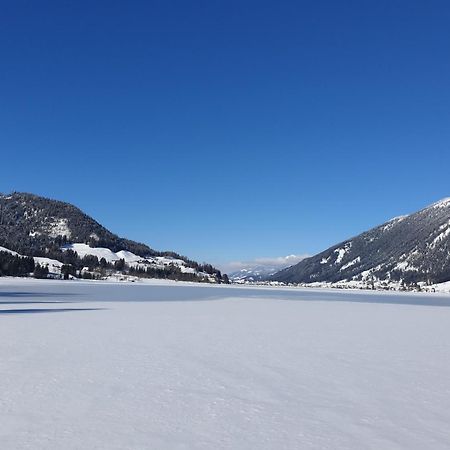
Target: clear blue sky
[[228, 130]]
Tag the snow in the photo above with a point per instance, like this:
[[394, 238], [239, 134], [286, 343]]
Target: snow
[[129, 257], [399, 218], [368, 273], [443, 235], [100, 252], [351, 263], [53, 265], [393, 221], [166, 261], [441, 287], [341, 252], [405, 266], [6, 250], [180, 366], [444, 203], [59, 227]]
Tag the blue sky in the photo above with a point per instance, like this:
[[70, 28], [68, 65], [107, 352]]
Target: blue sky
[[228, 131]]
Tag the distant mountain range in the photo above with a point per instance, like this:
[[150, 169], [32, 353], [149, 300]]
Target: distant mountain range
[[262, 269], [39, 227], [407, 249]]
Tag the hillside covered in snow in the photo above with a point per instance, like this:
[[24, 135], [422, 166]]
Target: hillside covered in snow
[[63, 239], [407, 250]]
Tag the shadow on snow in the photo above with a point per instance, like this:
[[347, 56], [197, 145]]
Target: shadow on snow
[[45, 310]]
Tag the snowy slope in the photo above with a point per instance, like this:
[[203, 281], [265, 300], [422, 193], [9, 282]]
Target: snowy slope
[[33, 225], [53, 265], [84, 249], [413, 248], [221, 368], [130, 258]]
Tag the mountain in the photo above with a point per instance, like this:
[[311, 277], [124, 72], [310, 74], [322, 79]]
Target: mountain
[[256, 273], [29, 223], [262, 269], [35, 226], [408, 249]]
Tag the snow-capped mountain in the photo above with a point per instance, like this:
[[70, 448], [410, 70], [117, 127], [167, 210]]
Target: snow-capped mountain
[[257, 273], [262, 269], [57, 231], [409, 249]]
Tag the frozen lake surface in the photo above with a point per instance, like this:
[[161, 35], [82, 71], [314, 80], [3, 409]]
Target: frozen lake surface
[[177, 366]]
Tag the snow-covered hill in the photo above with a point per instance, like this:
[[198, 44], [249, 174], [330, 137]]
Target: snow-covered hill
[[407, 249], [30, 222], [132, 260], [47, 229]]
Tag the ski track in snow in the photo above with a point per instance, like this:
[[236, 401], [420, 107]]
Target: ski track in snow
[[180, 366]]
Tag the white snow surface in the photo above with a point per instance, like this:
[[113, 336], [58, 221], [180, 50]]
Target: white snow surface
[[341, 252], [54, 266], [185, 366], [100, 252], [351, 263], [129, 257]]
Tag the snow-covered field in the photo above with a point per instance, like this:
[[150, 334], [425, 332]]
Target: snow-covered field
[[87, 365]]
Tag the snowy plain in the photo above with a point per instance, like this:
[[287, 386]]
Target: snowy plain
[[98, 365]]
